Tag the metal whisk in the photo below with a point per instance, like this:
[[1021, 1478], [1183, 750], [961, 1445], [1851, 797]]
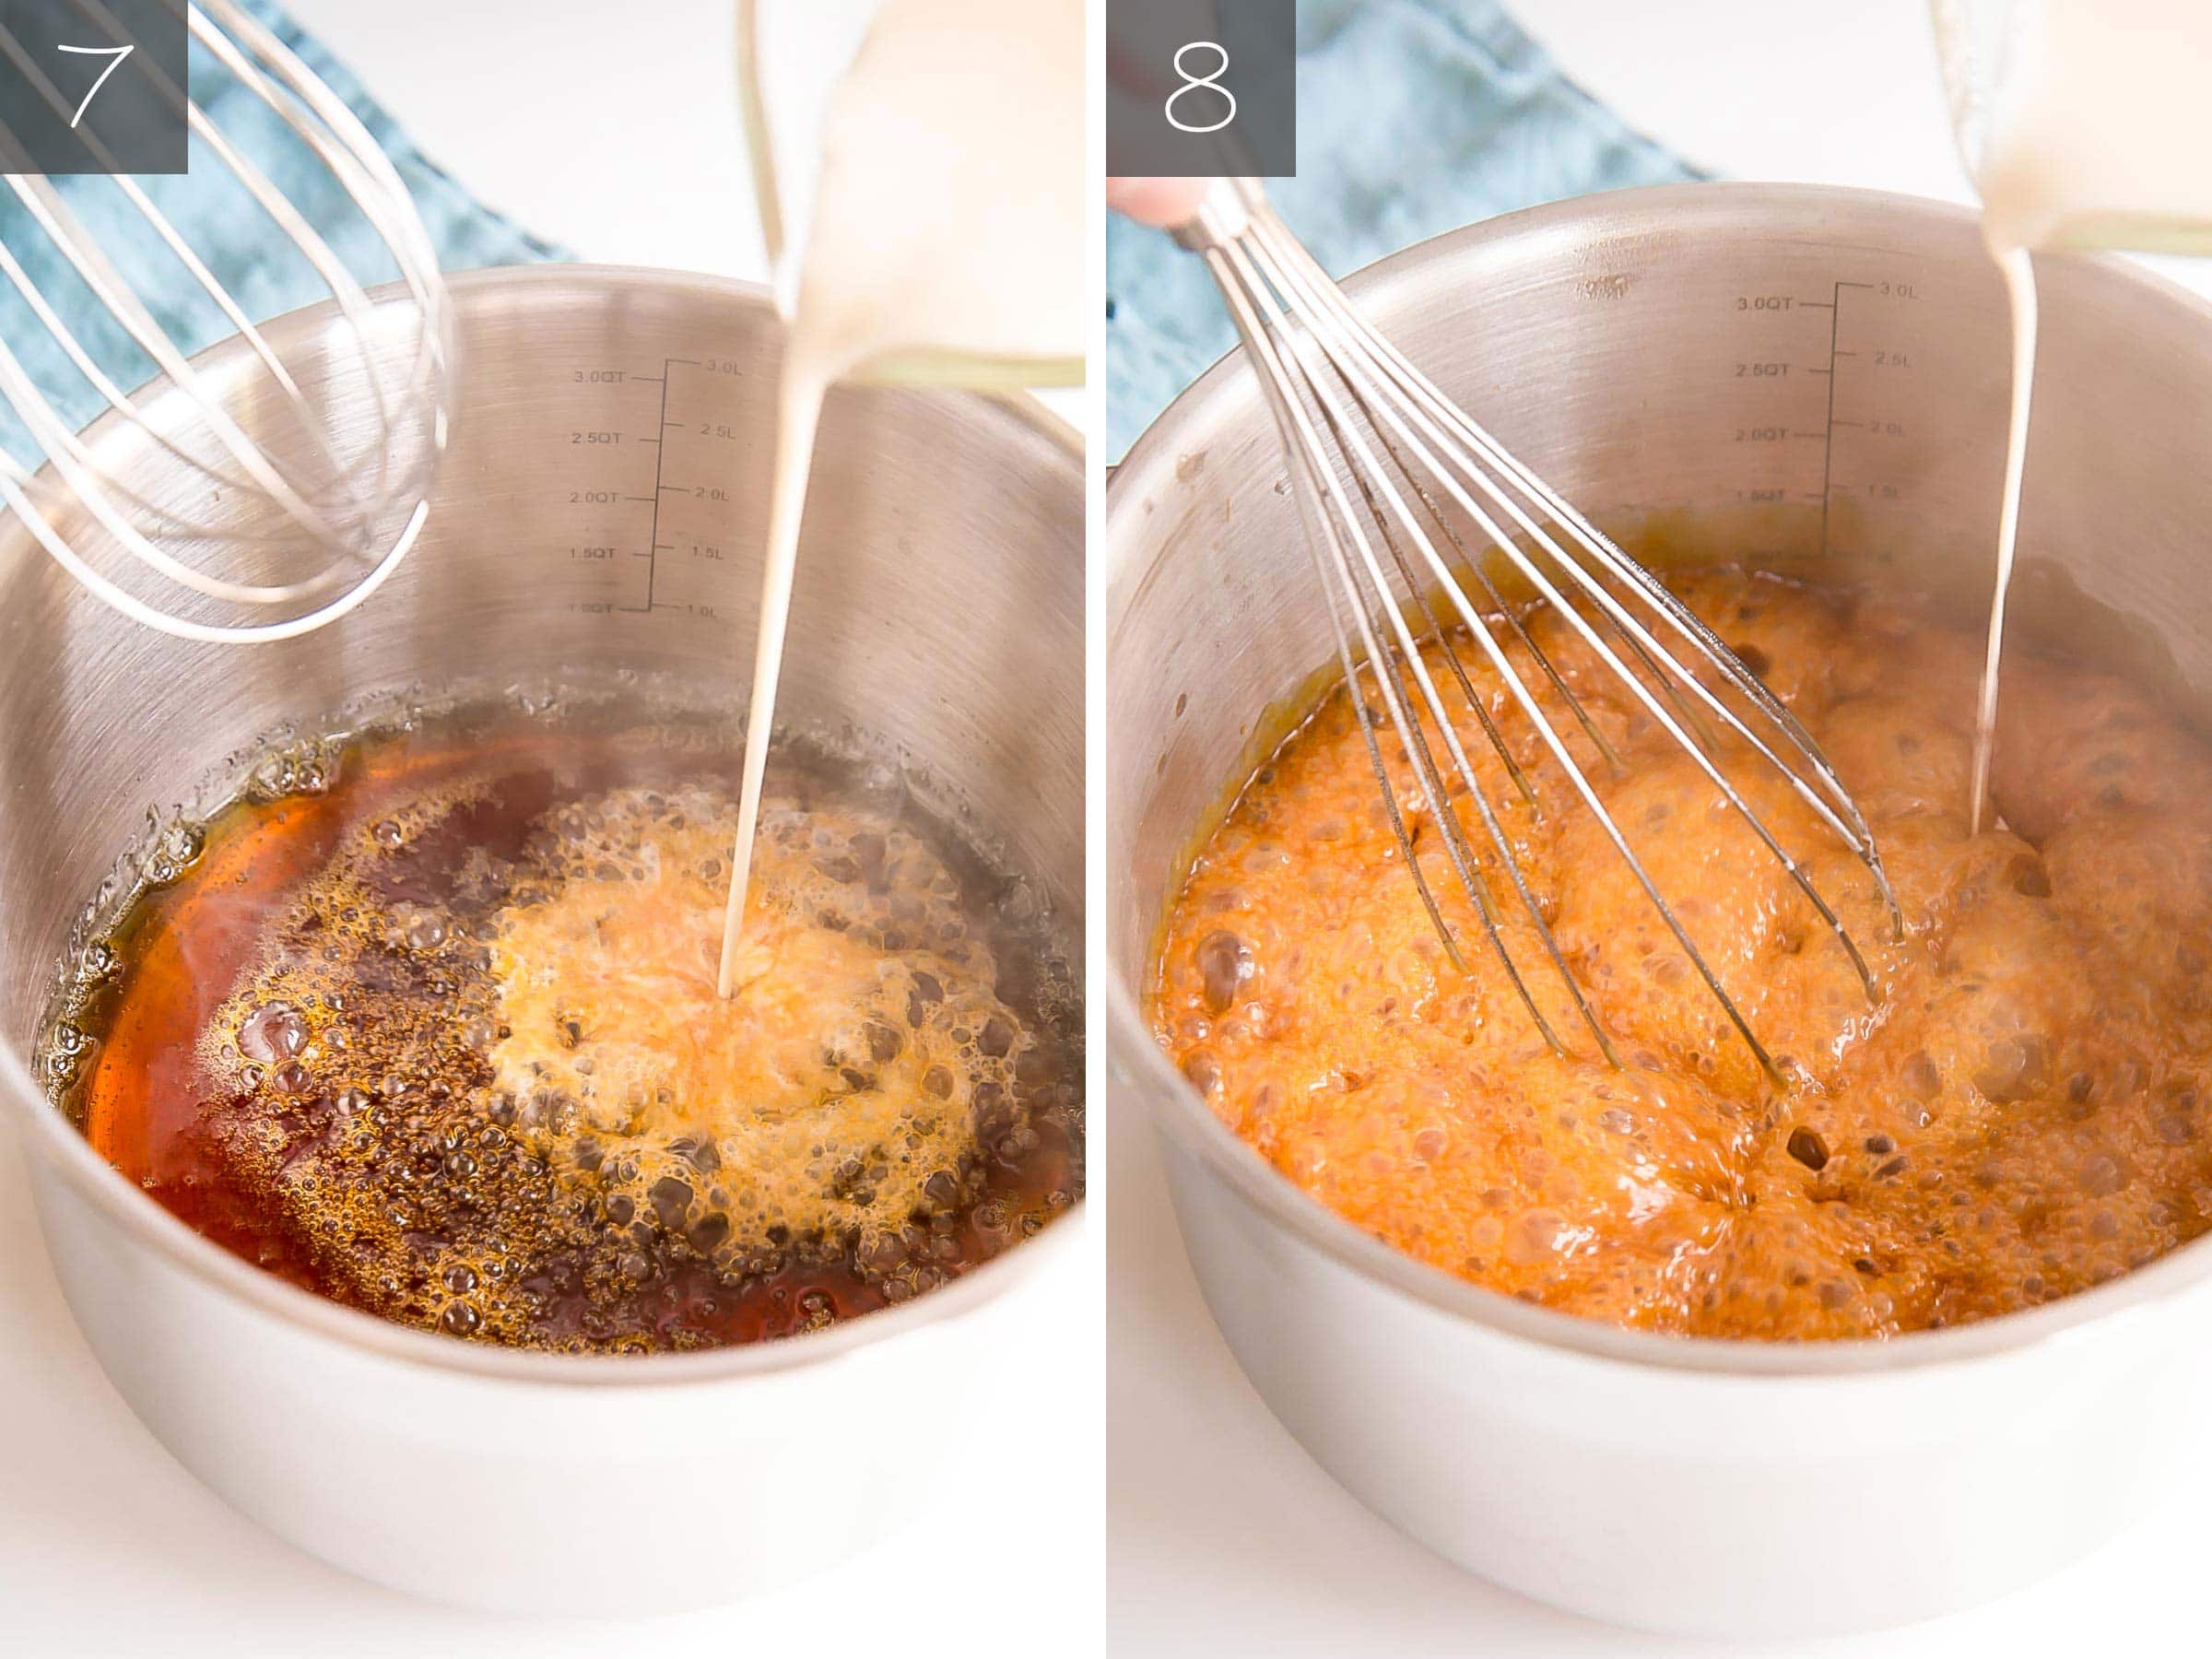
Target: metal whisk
[[254, 549], [1378, 455]]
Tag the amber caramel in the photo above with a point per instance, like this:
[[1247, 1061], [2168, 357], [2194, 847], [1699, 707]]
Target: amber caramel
[[432, 1029], [2022, 1109]]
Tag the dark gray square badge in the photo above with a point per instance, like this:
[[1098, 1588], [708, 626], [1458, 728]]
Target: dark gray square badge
[[1201, 88], [92, 88]]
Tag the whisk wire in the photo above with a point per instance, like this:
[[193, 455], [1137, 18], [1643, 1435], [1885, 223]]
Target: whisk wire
[[98, 272], [1332, 520], [1466, 560], [331, 491], [1442, 576], [55, 218], [1439, 637], [1316, 355], [1407, 651], [1830, 800]]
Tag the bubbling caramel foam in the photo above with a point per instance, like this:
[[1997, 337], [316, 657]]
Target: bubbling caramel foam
[[865, 1018], [456, 1053], [2018, 1113]]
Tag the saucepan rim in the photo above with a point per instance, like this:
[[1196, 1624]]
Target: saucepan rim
[[52, 1142], [1799, 212]]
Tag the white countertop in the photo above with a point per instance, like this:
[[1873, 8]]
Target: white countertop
[[1224, 1538], [611, 129]]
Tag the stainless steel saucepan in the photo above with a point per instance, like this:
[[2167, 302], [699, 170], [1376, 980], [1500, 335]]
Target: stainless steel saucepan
[[600, 513], [1815, 379]]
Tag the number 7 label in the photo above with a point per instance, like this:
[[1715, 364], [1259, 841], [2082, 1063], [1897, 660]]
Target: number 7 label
[[116, 53]]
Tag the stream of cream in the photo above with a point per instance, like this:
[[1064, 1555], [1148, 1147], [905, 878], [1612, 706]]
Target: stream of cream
[[2087, 126], [947, 246], [2019, 287]]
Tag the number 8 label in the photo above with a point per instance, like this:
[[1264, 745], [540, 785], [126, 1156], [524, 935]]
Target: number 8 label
[[1192, 83]]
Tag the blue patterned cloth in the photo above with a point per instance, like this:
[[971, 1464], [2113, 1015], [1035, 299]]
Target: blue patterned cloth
[[1414, 117], [221, 222]]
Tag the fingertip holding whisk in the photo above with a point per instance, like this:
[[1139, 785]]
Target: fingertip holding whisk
[[302, 492], [1408, 505]]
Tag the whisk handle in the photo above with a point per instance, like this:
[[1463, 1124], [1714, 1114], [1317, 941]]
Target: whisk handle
[[1224, 213]]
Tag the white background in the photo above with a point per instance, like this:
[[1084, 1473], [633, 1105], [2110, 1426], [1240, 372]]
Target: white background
[[1223, 1538], [611, 128]]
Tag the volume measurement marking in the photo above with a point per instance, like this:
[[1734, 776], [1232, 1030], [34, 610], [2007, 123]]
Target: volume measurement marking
[[655, 546], [708, 450], [1871, 366], [1828, 435]]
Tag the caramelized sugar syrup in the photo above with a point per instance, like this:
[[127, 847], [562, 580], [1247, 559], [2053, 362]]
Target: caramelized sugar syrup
[[2023, 1109], [433, 1032]]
